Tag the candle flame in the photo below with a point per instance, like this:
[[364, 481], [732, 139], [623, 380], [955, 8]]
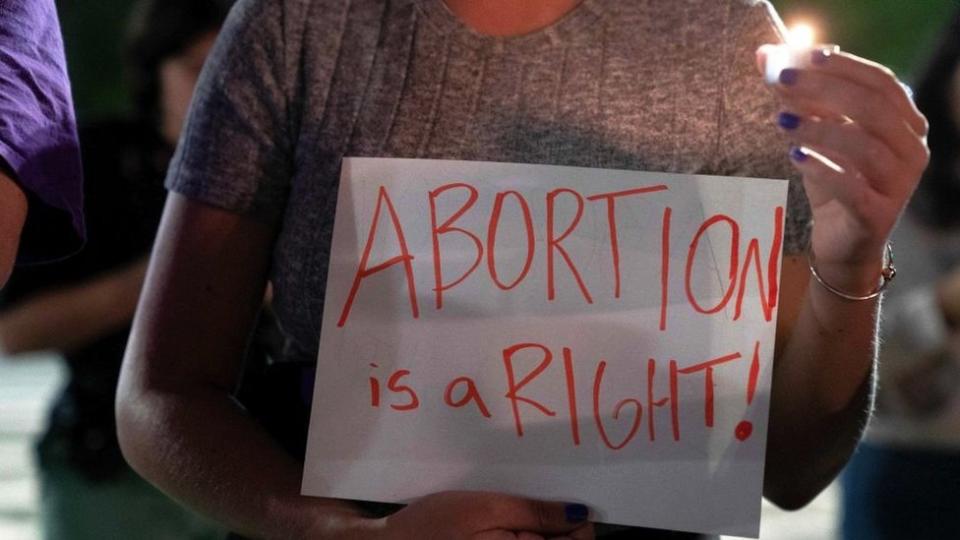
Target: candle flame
[[801, 35]]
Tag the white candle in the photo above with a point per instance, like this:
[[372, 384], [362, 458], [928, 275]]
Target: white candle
[[795, 53]]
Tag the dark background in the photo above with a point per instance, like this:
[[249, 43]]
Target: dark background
[[898, 33]]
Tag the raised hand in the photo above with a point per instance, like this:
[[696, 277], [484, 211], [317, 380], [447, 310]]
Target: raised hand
[[860, 144]]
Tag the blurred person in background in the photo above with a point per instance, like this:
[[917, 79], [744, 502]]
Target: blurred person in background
[[40, 177], [82, 307], [904, 480]]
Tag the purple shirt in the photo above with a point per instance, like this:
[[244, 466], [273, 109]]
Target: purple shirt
[[38, 134]]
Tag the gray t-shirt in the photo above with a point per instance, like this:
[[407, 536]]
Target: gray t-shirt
[[293, 86]]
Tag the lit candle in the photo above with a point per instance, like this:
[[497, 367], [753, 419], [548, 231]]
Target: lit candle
[[795, 53]]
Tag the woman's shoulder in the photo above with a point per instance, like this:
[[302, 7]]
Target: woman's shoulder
[[316, 11], [323, 23], [756, 17], [293, 16], [747, 8], [707, 17]]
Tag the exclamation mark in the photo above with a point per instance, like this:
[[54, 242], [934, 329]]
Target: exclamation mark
[[374, 389], [745, 428]]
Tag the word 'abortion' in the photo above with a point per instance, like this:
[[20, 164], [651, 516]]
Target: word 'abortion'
[[557, 257]]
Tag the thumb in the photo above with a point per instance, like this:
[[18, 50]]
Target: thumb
[[545, 517]]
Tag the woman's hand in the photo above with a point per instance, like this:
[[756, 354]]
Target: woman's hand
[[860, 143], [456, 515]]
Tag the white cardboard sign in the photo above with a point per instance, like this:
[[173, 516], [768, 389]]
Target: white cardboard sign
[[582, 335]]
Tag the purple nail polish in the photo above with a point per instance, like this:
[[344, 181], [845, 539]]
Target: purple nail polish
[[798, 154], [820, 56], [577, 513], [788, 77], [788, 121]]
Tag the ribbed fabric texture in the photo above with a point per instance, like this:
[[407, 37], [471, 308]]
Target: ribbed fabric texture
[[293, 86]]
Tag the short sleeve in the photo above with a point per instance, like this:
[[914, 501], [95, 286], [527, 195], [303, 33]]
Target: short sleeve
[[235, 150], [38, 133], [750, 143]]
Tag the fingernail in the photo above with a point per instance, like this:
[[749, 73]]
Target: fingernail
[[798, 154], [577, 513], [788, 121], [789, 76], [820, 56]]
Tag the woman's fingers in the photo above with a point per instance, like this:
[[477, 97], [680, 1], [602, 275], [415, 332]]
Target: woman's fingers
[[874, 76], [847, 144], [584, 532], [489, 516], [500, 534], [868, 142], [833, 97], [536, 516], [865, 73], [826, 182], [860, 144]]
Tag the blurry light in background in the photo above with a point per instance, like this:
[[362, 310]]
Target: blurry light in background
[[794, 53], [801, 35]]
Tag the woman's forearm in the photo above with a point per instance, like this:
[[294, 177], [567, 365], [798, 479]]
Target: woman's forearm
[[71, 317], [822, 392], [176, 420], [224, 465]]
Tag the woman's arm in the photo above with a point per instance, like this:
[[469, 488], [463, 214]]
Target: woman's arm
[[869, 144], [180, 428], [176, 420], [822, 386], [72, 317], [13, 214]]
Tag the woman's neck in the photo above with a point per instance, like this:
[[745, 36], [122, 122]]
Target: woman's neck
[[510, 17]]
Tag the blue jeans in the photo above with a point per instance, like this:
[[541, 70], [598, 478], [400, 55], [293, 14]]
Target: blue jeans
[[898, 494]]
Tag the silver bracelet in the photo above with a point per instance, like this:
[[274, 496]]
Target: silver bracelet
[[887, 274]]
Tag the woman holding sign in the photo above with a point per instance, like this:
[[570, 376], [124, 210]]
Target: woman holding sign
[[295, 86]]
